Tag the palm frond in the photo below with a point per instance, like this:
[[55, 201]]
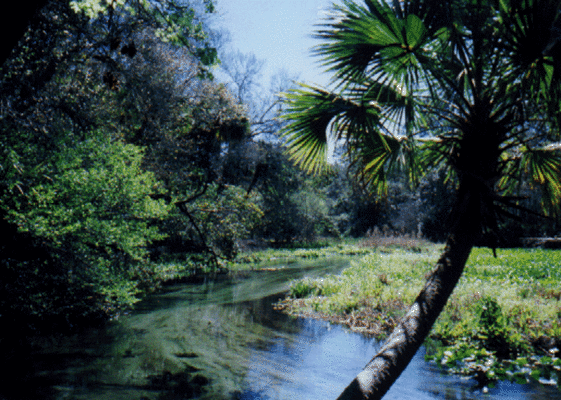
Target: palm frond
[[361, 119], [349, 47], [375, 156], [434, 153], [531, 39], [363, 41], [542, 168], [435, 14], [526, 28], [315, 113]]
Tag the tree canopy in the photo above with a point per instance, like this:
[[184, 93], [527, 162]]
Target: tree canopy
[[120, 153], [111, 145]]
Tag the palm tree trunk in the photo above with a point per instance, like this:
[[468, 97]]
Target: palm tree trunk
[[386, 366]]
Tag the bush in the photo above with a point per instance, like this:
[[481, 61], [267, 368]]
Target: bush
[[304, 288], [225, 216], [88, 209]]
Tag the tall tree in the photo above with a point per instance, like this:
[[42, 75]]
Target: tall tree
[[88, 84], [471, 85]]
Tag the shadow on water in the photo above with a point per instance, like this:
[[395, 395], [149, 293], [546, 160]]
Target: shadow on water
[[222, 340]]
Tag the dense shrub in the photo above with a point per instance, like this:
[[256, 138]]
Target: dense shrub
[[85, 216]]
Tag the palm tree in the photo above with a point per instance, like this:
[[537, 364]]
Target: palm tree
[[472, 86]]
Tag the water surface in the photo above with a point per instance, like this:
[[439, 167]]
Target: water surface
[[224, 340]]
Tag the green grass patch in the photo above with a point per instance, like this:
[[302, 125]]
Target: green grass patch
[[503, 320], [382, 281], [185, 268], [272, 257]]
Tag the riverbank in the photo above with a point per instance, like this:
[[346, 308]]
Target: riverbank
[[503, 321]]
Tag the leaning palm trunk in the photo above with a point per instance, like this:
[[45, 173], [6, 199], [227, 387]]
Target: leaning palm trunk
[[384, 369]]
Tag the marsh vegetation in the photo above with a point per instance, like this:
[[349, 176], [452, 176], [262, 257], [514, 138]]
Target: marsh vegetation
[[502, 322]]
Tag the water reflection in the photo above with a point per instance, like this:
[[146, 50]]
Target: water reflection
[[222, 340], [319, 361]]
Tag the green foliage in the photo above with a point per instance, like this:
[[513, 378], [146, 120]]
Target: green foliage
[[289, 255], [365, 283], [544, 166], [89, 207], [495, 351], [297, 207], [313, 213], [277, 185], [94, 196], [226, 216], [107, 128], [493, 331], [304, 288], [469, 88], [314, 111], [173, 22], [521, 266]]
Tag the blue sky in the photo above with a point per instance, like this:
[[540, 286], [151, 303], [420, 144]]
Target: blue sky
[[278, 32]]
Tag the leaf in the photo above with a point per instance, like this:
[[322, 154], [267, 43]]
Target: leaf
[[544, 169], [376, 155], [415, 31], [314, 113], [207, 55], [362, 41]]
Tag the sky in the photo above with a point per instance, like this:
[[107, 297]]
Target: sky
[[278, 32]]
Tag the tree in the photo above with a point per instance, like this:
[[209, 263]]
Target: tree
[[277, 181], [84, 216], [243, 72], [473, 86], [181, 23], [437, 199], [81, 202]]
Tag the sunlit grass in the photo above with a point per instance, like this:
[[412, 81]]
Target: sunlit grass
[[524, 283], [385, 281], [261, 258], [376, 291]]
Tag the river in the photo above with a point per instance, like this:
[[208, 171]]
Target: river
[[223, 340]]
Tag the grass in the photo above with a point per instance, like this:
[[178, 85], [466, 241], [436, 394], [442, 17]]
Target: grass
[[191, 268], [503, 320], [373, 293], [257, 259], [523, 282]]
